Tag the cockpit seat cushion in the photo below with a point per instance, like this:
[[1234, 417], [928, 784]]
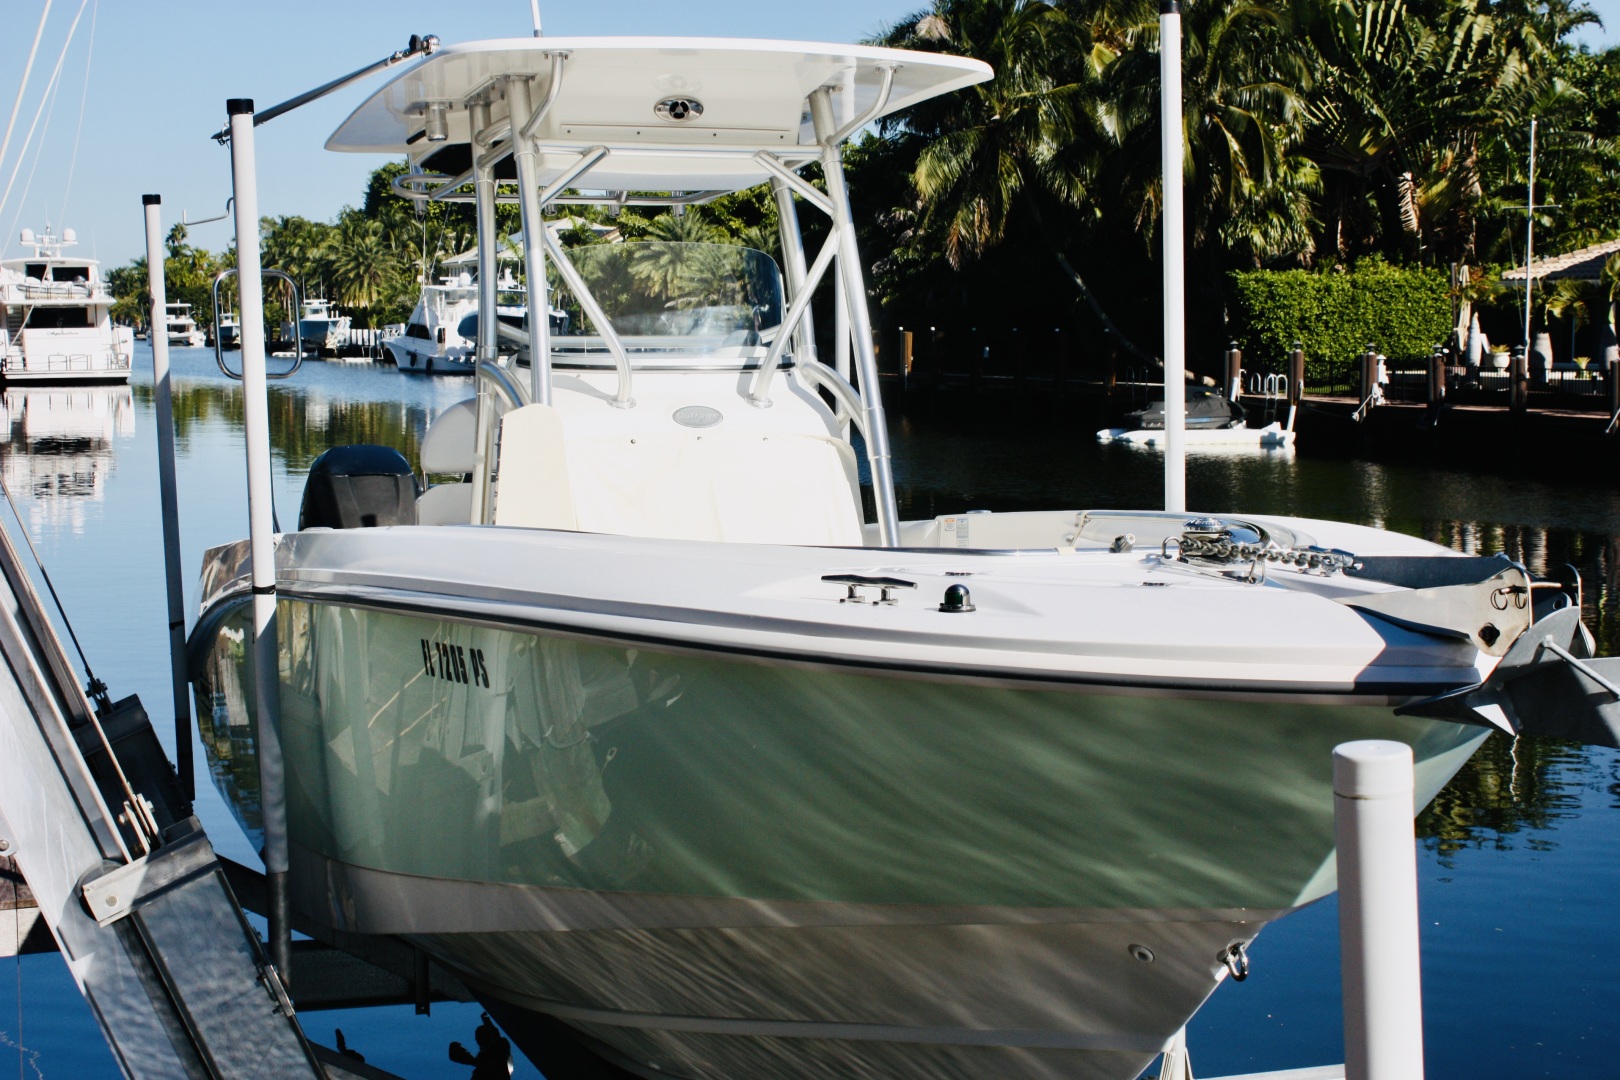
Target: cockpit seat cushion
[[445, 504], [742, 487], [533, 487], [450, 445]]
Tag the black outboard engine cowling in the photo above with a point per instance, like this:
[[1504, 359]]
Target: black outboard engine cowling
[[358, 487]]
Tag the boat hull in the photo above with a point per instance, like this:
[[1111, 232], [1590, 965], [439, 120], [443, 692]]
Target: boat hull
[[731, 866], [426, 362]]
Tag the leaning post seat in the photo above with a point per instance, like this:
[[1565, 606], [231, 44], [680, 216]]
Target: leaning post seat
[[358, 487]]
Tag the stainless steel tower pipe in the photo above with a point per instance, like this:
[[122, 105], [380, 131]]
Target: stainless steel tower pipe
[[488, 308], [534, 248], [828, 134]]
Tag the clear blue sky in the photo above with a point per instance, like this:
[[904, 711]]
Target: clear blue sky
[[162, 70]]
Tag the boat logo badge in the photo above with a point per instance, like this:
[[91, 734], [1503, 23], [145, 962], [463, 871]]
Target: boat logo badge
[[697, 416], [679, 109]]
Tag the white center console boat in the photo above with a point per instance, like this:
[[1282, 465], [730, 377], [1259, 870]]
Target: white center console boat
[[643, 722]]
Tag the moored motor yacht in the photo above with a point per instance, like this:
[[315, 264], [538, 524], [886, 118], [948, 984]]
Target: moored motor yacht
[[56, 311], [181, 328], [441, 336], [320, 327], [228, 331], [639, 724]]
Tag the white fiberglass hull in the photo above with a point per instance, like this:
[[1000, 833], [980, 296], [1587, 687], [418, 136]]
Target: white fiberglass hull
[[797, 837], [1272, 436], [427, 360]]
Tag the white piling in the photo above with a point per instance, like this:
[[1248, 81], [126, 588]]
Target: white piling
[[1171, 153], [180, 685], [1378, 917], [261, 530]]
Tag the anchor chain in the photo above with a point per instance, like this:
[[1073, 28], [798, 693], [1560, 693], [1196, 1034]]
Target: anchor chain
[[1214, 542]]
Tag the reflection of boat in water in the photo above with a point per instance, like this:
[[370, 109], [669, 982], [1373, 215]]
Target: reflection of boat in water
[[181, 328], [657, 736], [59, 442], [56, 311]]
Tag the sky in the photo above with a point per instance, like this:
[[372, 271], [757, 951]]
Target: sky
[[159, 72]]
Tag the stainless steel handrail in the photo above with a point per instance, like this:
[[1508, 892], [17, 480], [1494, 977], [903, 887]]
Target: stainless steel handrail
[[515, 395], [870, 114], [622, 399], [298, 326], [818, 374], [506, 384], [759, 396]]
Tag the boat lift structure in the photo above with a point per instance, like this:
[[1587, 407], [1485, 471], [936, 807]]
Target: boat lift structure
[[124, 877]]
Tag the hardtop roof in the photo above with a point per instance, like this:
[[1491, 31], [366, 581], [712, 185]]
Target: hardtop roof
[[752, 97]]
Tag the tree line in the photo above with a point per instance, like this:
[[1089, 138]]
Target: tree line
[[1318, 133]]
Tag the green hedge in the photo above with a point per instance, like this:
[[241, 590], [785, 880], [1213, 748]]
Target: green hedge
[[1403, 312]]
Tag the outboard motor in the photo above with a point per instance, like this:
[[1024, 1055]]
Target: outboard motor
[[358, 487]]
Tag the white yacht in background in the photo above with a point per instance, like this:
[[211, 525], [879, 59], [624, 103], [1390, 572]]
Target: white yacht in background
[[228, 331], [642, 727], [55, 309], [181, 328], [321, 327], [442, 335]]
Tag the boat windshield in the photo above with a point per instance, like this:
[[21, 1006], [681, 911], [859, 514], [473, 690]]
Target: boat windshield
[[686, 299]]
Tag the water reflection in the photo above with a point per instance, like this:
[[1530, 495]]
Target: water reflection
[[58, 451], [1508, 788], [304, 419]]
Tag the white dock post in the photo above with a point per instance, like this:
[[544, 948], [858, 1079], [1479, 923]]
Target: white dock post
[[1172, 164], [1378, 921], [166, 490], [261, 532]]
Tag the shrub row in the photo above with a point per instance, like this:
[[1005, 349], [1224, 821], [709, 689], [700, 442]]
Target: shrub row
[[1403, 312]]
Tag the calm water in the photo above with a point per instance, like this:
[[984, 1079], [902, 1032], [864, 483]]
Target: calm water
[[1520, 858]]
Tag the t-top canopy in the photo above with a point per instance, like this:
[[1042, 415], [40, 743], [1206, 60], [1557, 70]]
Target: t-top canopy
[[679, 114]]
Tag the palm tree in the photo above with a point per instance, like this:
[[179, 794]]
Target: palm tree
[[1417, 114], [661, 268], [1021, 146], [362, 266], [1249, 186]]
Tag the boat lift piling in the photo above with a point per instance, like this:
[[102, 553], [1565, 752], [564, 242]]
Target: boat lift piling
[[1380, 962], [1378, 911], [170, 502], [1171, 152], [261, 531], [238, 132]]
